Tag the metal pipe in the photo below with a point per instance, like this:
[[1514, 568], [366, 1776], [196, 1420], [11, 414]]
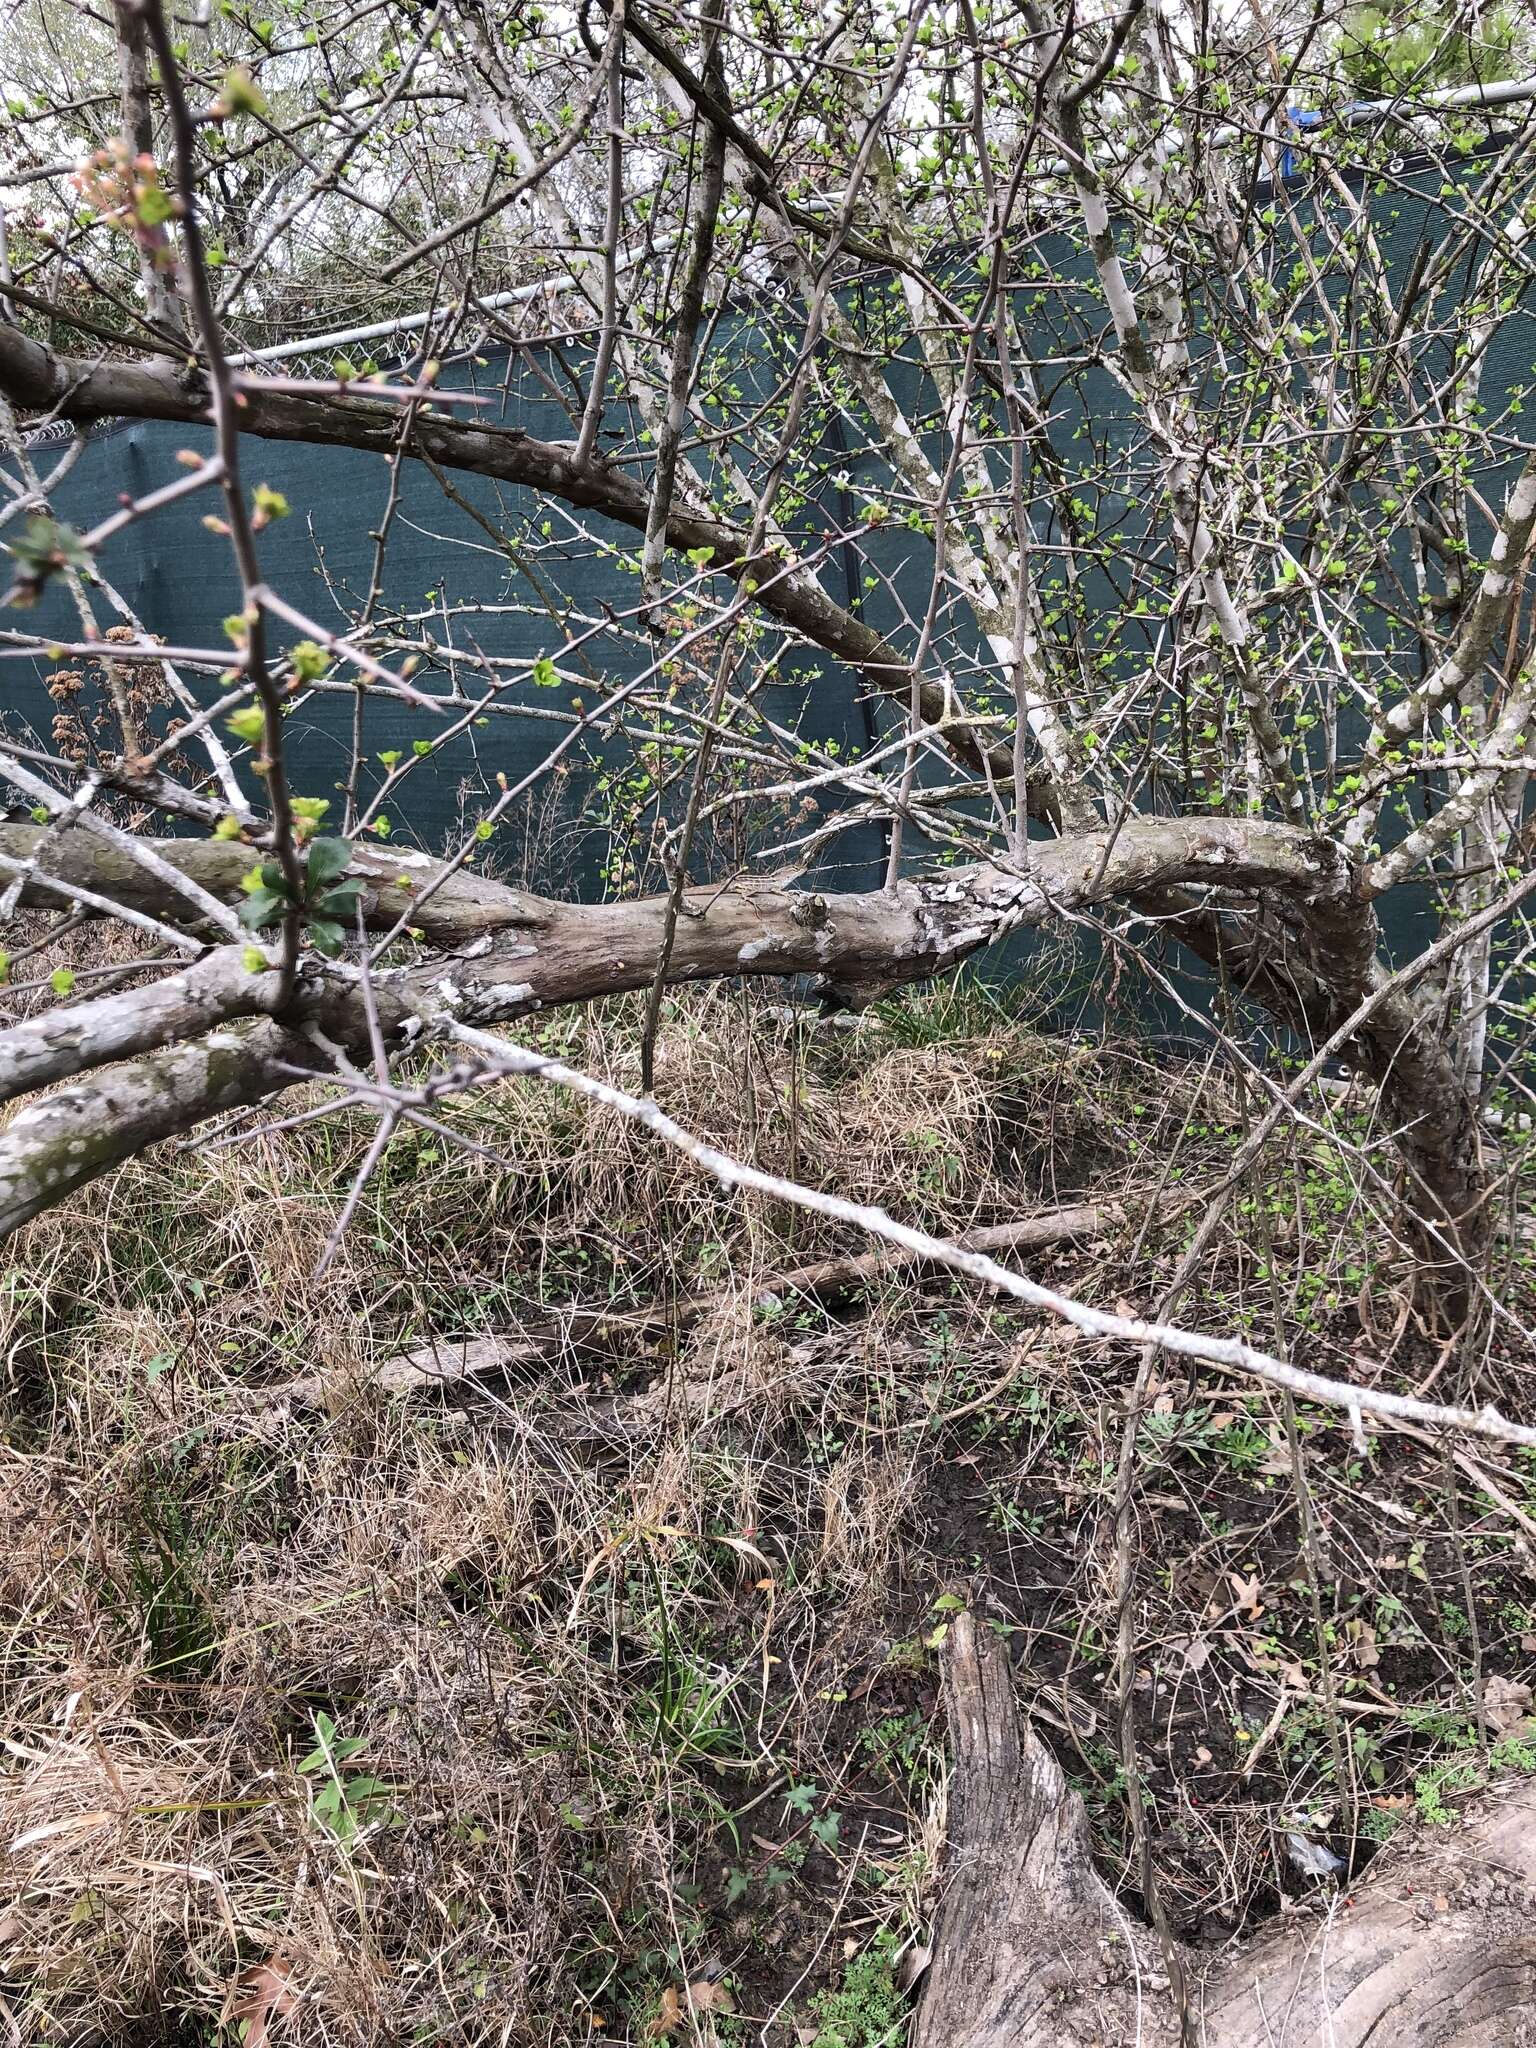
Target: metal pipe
[[1500, 94], [413, 323]]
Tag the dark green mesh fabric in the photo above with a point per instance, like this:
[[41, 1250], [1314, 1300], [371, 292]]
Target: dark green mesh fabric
[[441, 567]]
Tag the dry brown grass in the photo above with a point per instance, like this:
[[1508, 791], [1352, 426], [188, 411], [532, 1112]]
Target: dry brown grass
[[506, 1627], [572, 1673]]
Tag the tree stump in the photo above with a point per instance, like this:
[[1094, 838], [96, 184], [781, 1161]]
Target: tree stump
[[1435, 1948]]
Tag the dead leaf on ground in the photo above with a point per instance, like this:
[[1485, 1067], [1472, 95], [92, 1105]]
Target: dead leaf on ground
[[705, 1994], [1277, 1459], [1362, 1644], [710, 1996], [669, 2015], [1246, 1591], [1274, 1664], [262, 1994], [1506, 1704], [912, 1966]]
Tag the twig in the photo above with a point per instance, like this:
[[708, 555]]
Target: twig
[[500, 1057]]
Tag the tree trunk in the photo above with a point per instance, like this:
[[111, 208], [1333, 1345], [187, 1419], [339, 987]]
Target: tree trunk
[[1435, 1948], [1310, 964]]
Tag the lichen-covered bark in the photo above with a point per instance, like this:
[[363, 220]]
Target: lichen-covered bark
[[465, 907], [55, 1044], [68, 1138], [495, 954]]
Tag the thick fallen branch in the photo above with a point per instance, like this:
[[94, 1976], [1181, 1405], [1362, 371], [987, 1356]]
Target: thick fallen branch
[[1031, 1949], [513, 952], [496, 954], [1435, 1946], [903, 932], [56, 1044], [35, 379], [72, 1136], [466, 908]]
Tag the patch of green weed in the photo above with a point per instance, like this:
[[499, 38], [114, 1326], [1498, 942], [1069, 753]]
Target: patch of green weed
[[866, 2010]]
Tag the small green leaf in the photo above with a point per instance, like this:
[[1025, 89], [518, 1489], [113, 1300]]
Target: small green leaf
[[155, 206], [326, 937], [62, 980], [310, 661], [241, 94], [249, 723], [228, 827], [262, 910], [342, 901], [329, 860], [47, 544], [254, 961]]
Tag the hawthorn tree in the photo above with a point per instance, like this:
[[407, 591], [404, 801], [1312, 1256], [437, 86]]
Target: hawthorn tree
[[1184, 485]]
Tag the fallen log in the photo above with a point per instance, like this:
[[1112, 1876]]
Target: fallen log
[[1435, 1947]]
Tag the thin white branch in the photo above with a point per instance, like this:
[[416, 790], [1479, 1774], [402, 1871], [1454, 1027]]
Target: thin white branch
[[500, 1057]]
